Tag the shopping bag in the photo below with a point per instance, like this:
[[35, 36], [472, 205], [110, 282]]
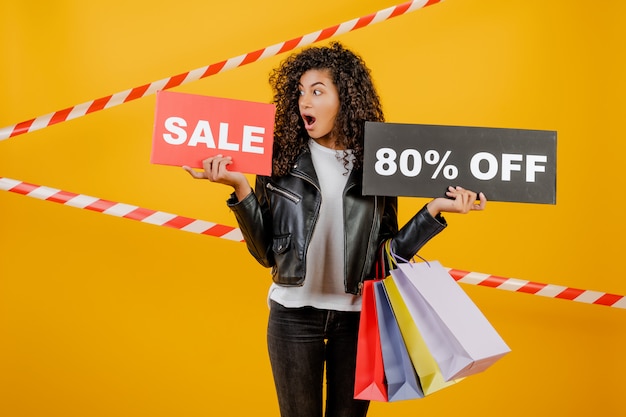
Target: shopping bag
[[402, 381], [369, 381], [458, 335], [430, 376]]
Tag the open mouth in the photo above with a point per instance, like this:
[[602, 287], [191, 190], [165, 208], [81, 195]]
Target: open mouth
[[308, 120]]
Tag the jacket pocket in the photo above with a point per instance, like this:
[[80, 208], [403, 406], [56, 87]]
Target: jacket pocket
[[281, 244], [283, 192]]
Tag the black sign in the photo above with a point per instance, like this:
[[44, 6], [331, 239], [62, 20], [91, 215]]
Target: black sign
[[514, 165]]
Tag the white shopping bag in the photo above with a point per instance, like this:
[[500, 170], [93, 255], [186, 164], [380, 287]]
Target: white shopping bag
[[458, 335]]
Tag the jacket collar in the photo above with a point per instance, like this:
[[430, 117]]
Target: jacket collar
[[304, 166]]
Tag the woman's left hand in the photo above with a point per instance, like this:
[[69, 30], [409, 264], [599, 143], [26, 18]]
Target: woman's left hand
[[459, 200]]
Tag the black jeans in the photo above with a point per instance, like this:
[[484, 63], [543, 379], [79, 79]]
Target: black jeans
[[299, 341]]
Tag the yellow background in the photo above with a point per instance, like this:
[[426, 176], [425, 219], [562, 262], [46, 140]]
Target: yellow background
[[103, 316]]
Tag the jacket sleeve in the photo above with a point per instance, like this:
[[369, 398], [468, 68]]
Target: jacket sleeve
[[411, 237], [252, 214], [416, 233]]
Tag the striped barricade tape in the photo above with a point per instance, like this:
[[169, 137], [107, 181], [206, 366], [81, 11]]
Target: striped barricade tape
[[187, 224], [536, 288], [126, 211], [112, 100]]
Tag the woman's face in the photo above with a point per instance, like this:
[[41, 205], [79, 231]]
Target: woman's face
[[319, 105]]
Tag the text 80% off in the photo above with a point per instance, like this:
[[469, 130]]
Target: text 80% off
[[482, 166]]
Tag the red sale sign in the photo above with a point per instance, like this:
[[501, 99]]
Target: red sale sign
[[189, 128]]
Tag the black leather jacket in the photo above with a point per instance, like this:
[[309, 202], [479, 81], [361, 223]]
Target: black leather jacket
[[278, 219]]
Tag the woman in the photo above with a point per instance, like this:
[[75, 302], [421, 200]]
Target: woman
[[311, 224]]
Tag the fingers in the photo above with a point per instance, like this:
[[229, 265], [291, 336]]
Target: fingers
[[466, 200], [195, 174], [483, 202], [214, 169]]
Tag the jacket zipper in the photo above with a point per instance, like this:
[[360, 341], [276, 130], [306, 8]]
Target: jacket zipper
[[284, 193], [375, 224], [308, 179]]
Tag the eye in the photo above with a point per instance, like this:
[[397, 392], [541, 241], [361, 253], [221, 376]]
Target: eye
[[300, 92], [317, 92]]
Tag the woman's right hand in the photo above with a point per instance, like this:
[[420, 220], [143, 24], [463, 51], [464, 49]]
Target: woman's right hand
[[216, 170]]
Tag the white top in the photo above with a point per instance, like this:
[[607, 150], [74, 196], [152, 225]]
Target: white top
[[324, 284]]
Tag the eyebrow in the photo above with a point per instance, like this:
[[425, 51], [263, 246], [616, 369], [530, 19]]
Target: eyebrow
[[314, 84]]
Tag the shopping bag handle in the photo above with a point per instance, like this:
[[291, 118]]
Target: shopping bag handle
[[394, 258]]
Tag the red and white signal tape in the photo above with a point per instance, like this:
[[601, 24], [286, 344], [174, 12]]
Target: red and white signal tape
[[536, 288], [187, 224], [102, 103], [126, 211]]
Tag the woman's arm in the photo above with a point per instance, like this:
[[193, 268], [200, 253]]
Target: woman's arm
[[249, 210], [428, 222]]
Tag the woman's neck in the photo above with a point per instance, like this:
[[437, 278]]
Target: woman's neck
[[330, 143]]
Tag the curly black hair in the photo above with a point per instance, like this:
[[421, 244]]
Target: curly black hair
[[359, 102]]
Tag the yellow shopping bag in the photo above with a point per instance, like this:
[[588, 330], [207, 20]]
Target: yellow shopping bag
[[430, 376]]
